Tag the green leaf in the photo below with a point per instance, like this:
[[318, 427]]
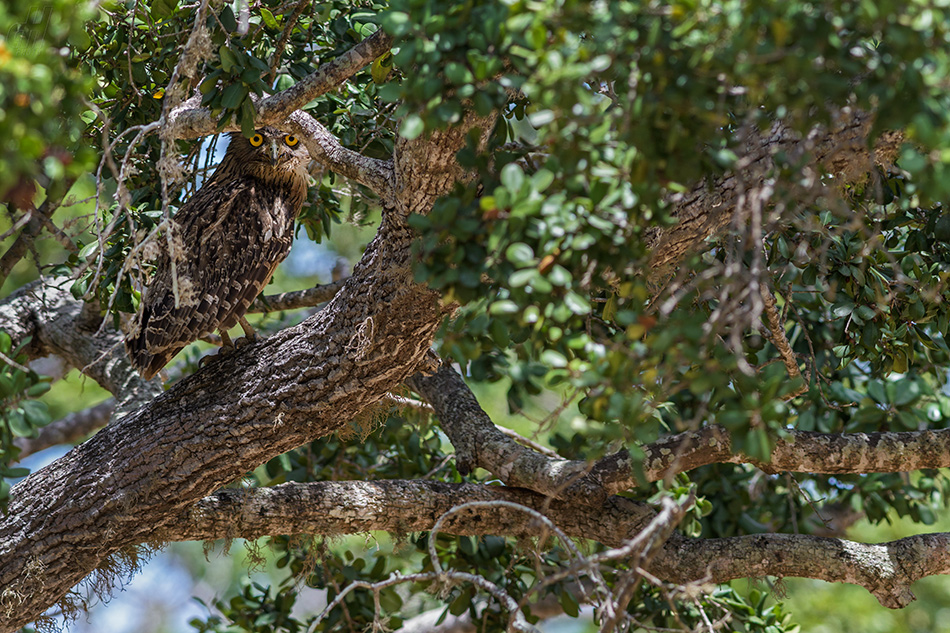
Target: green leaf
[[520, 254], [6, 343], [38, 389], [18, 424], [269, 20], [576, 303], [522, 277], [876, 391], [569, 604], [906, 391], [228, 59], [461, 604], [504, 307], [412, 126], [36, 412], [232, 96], [227, 19], [512, 177], [396, 23], [162, 9]]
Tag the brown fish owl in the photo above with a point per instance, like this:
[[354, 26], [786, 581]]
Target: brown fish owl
[[227, 241]]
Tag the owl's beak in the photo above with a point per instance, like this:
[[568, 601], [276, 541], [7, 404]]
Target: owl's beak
[[274, 153]]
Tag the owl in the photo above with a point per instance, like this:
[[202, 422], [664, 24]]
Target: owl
[[226, 242]]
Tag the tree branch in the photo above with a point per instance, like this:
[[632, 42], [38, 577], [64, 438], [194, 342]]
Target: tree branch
[[132, 479], [308, 298], [479, 443], [708, 207], [348, 507], [71, 428], [325, 78]]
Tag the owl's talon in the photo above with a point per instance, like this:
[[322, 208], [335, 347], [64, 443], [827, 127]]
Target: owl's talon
[[249, 332], [244, 340]]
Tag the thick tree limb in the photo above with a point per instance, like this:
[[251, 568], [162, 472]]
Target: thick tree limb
[[479, 443], [349, 507], [346, 507], [213, 427], [886, 570], [133, 478]]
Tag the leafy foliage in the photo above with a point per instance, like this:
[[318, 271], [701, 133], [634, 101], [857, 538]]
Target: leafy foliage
[[23, 415], [606, 115]]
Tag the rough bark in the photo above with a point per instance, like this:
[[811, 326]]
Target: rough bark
[[350, 507], [133, 481], [346, 507], [480, 444], [132, 478]]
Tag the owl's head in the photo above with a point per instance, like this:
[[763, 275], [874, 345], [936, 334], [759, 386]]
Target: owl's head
[[269, 149]]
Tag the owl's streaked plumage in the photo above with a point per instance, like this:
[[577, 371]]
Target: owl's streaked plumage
[[228, 239]]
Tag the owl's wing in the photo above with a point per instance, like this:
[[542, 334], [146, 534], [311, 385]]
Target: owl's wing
[[231, 239]]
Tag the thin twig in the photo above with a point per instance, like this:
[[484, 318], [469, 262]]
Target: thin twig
[[279, 49], [780, 341], [544, 450]]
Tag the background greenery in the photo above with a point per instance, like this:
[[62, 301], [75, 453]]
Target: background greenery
[[607, 109]]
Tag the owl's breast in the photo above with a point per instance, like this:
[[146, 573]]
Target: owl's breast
[[276, 217]]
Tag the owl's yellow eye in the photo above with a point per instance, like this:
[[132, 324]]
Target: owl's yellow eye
[[256, 140], [290, 140]]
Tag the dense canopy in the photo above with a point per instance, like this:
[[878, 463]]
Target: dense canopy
[[694, 254]]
